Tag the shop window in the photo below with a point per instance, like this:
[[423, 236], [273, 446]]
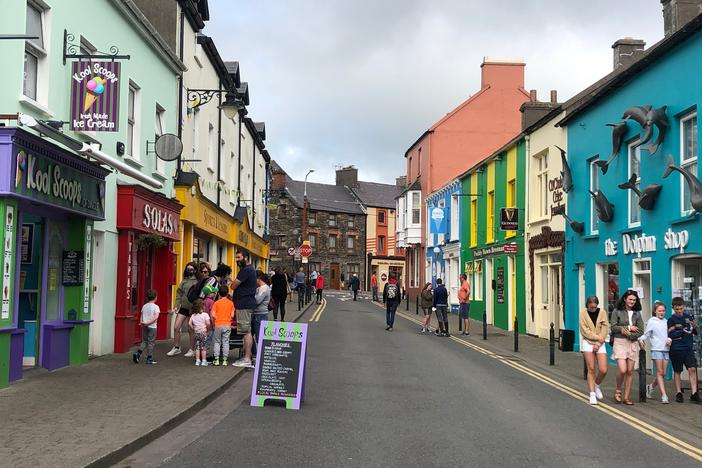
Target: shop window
[[351, 245], [594, 187], [312, 218], [541, 164], [381, 245], [688, 157], [159, 126], [490, 226], [35, 55], [332, 220], [416, 208], [511, 201], [381, 217], [474, 222], [133, 122], [477, 290], [608, 285], [332, 243], [455, 222], [634, 169]]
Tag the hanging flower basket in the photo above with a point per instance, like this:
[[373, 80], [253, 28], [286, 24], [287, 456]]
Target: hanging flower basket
[[144, 241]]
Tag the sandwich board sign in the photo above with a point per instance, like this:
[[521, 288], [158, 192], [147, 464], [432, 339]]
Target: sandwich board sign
[[280, 366]]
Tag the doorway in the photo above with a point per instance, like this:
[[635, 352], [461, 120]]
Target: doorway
[[334, 275], [98, 317], [489, 291], [511, 292], [31, 285], [687, 283]]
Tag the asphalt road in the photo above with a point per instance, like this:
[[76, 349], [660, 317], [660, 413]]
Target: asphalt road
[[377, 398]]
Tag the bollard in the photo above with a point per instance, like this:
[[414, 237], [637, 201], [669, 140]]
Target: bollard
[[485, 325], [642, 375], [407, 301], [516, 335], [460, 322], [551, 346]]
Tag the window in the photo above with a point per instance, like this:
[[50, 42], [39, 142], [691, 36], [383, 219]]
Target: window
[[313, 241], [594, 187], [332, 220], [688, 157], [311, 218], [381, 217], [351, 245], [477, 290], [381, 245], [352, 269], [542, 184], [133, 121], [332, 243], [196, 132], [490, 226], [634, 169], [415, 207], [474, 222], [159, 125], [455, 222], [350, 222], [211, 148], [34, 50], [511, 201]]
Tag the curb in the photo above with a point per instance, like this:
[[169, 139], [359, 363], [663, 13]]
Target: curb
[[116, 456]]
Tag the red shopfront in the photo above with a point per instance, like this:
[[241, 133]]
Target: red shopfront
[[148, 226]]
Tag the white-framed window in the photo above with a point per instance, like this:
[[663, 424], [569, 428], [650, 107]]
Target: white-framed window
[[594, 187], [477, 290], [311, 218], [159, 125], [35, 51], [196, 132], [688, 157], [351, 245], [455, 222], [634, 168], [332, 220], [211, 147], [541, 164], [133, 121], [350, 222], [416, 207]]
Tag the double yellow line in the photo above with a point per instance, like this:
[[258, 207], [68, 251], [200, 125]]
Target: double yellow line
[[628, 419], [318, 313]]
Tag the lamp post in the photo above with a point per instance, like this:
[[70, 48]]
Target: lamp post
[[304, 226]]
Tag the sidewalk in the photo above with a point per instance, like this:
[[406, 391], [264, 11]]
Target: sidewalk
[[105, 409], [684, 420]]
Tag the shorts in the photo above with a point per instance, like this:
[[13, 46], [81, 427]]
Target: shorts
[[463, 310], [625, 349], [682, 357], [587, 347], [442, 313], [243, 320], [426, 310], [202, 341], [184, 311], [660, 355]]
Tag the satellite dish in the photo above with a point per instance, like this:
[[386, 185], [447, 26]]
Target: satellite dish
[[168, 147]]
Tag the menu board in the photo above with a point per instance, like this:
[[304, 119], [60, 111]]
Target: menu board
[[500, 285], [280, 366], [72, 268]]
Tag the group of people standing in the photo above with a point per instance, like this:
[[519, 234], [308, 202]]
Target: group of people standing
[[670, 339]]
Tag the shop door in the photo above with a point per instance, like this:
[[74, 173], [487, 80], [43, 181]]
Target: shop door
[[144, 283], [554, 301], [489, 291], [642, 283], [334, 276], [31, 285], [687, 283], [53, 292]]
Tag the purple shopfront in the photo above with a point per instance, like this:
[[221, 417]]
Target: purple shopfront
[[49, 198]]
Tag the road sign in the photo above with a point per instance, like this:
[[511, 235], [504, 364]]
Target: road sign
[[305, 260], [305, 250], [292, 251]]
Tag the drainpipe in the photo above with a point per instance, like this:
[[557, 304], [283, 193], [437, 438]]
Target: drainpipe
[[238, 162], [219, 144], [253, 185], [180, 86]]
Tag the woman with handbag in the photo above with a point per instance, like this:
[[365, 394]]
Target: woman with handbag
[[279, 293], [426, 302], [627, 328], [594, 328]]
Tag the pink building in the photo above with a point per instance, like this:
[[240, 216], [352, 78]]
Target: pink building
[[466, 135]]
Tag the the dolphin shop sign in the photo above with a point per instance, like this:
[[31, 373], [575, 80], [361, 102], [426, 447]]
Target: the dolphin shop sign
[[95, 96], [641, 243]]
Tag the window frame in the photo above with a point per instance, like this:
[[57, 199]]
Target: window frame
[[382, 245], [333, 249], [633, 205], [40, 52], [332, 221], [159, 121], [311, 217], [594, 178], [490, 221], [542, 178], [383, 214], [133, 150], [685, 163], [416, 208], [351, 222], [211, 147], [351, 249], [312, 238], [474, 222]]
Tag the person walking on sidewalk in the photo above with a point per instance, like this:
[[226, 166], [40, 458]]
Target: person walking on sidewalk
[[374, 287], [313, 280], [223, 313], [319, 287], [464, 304], [657, 333], [291, 284], [201, 324], [300, 284], [441, 306], [263, 297], [182, 309], [149, 317], [355, 285], [426, 302], [279, 292], [244, 287], [391, 298], [627, 328], [594, 328], [681, 327]]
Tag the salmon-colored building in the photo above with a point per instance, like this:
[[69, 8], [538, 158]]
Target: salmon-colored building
[[454, 144]]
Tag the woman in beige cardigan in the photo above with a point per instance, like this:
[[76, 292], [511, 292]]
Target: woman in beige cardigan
[[594, 327]]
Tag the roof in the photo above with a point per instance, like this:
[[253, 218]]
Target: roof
[[233, 70], [377, 195], [618, 77], [213, 54], [322, 197], [416, 185]]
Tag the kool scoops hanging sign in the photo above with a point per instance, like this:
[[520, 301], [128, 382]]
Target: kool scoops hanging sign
[[95, 96]]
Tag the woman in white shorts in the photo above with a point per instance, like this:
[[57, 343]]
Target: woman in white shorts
[[594, 328], [657, 333]]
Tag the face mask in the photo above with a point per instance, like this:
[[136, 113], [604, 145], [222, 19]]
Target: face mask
[[189, 271]]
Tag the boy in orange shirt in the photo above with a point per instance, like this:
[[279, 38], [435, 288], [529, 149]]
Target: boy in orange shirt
[[222, 312]]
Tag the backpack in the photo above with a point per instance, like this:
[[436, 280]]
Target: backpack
[[196, 289], [392, 291]]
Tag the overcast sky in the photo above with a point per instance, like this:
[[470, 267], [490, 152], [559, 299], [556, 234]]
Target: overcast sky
[[343, 82]]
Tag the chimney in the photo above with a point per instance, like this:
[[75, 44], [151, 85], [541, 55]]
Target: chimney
[[626, 51], [532, 96], [533, 110], [401, 181], [347, 176], [554, 96], [502, 72], [677, 13]]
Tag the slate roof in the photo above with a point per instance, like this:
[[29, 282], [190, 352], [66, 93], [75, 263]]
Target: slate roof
[[377, 195], [322, 197]]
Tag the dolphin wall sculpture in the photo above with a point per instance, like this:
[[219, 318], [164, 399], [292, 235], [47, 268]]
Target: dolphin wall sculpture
[[618, 133], [605, 210], [565, 172], [647, 196], [659, 119], [576, 226], [693, 183]]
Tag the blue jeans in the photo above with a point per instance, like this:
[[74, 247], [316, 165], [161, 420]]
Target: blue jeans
[[390, 313]]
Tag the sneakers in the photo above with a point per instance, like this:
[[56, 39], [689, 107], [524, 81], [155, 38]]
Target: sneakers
[[197, 362], [135, 357], [664, 400], [423, 330], [150, 360], [445, 334], [465, 333], [224, 363], [174, 351], [243, 363], [695, 397], [438, 332], [649, 390], [593, 398], [679, 397], [215, 362], [204, 363], [390, 329], [598, 392], [190, 353]]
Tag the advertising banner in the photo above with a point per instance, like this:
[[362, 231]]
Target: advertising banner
[[95, 96]]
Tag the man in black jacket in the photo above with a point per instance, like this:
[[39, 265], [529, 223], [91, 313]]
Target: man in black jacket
[[441, 305], [279, 292], [391, 298]]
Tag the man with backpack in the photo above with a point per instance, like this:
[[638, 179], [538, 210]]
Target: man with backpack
[[391, 298], [441, 306]]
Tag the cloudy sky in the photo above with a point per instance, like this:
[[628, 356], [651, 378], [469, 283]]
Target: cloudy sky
[[343, 82]]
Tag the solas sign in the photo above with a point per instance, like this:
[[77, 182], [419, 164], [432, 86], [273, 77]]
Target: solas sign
[[161, 221]]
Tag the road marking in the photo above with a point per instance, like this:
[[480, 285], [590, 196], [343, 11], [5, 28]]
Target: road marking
[[641, 426], [318, 313]]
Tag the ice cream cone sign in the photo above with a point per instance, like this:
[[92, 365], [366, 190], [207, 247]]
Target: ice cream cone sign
[[94, 88]]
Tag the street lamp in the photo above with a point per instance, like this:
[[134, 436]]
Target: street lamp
[[308, 173], [304, 229], [231, 106]]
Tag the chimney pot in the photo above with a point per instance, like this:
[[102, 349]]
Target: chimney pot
[[677, 13], [532, 95], [554, 96]]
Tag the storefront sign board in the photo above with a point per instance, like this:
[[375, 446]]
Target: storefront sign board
[[511, 248], [643, 243], [95, 96]]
